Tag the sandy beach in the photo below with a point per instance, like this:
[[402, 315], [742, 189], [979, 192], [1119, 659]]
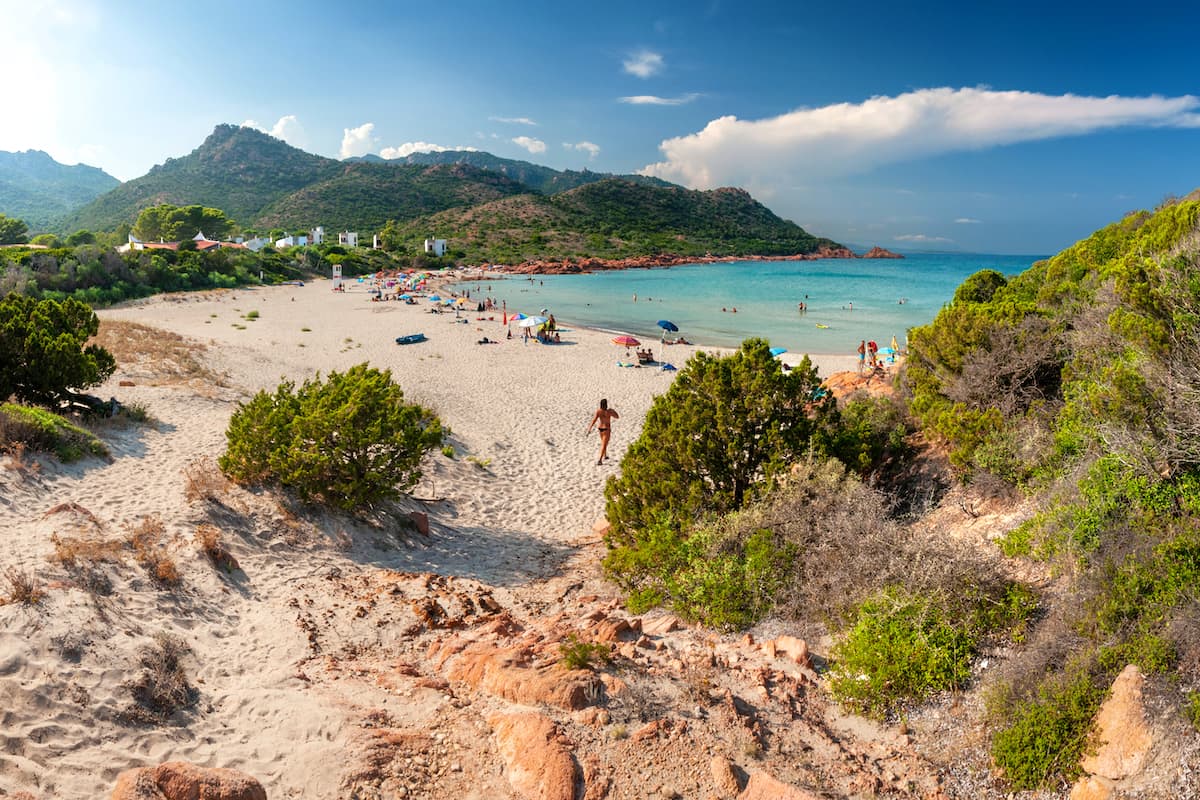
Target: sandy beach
[[512, 511]]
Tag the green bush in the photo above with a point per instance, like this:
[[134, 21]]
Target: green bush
[[348, 441], [1046, 735], [719, 437], [39, 429], [901, 647], [1191, 708], [43, 350], [575, 653]]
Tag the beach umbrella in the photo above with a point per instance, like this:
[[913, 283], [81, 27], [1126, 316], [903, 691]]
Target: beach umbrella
[[517, 316], [778, 351], [530, 322], [435, 298], [462, 301], [406, 296], [667, 325], [625, 340]]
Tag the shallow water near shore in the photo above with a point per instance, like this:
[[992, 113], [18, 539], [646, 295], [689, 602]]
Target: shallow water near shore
[[857, 299]]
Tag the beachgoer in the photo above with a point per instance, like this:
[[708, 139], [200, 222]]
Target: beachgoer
[[510, 333], [604, 416], [635, 297], [862, 355], [873, 352]]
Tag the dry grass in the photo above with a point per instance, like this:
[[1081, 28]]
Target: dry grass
[[156, 356], [203, 480], [208, 539], [162, 687], [147, 538], [24, 587], [16, 459]]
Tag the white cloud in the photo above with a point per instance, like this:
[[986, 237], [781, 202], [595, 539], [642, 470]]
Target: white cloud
[[408, 148], [920, 237], [513, 120], [590, 148], [532, 145], [287, 128], [856, 137], [654, 100], [967, 221], [644, 64], [358, 141]]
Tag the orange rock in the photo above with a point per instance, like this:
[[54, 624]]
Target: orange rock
[[1122, 730], [504, 673], [794, 649], [762, 786], [178, 780], [539, 765], [724, 778]]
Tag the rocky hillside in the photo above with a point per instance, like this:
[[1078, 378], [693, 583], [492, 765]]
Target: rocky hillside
[[614, 218], [39, 190]]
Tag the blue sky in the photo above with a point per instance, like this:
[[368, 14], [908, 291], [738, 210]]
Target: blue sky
[[1001, 127]]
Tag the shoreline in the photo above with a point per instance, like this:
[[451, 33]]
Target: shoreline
[[667, 260]]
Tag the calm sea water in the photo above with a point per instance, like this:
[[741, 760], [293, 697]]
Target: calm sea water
[[856, 299]]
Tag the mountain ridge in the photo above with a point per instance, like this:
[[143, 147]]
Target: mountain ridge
[[40, 190]]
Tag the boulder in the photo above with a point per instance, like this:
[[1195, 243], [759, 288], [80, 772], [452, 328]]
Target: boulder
[[794, 649], [420, 521], [1121, 729], [178, 780], [657, 626], [539, 764], [505, 673], [762, 786], [1089, 787], [723, 775]]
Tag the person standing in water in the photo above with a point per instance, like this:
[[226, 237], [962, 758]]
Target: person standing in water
[[604, 416]]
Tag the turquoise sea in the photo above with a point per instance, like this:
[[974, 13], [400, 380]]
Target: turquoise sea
[[857, 299]]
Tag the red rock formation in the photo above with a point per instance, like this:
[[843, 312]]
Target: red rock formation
[[763, 787], [178, 780], [879, 252], [571, 267], [540, 766]]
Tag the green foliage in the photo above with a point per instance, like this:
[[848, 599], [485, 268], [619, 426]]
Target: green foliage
[[717, 438], [1191, 708], [42, 430], [1045, 736], [448, 451], [13, 231], [574, 653], [176, 224], [349, 441], [39, 190], [43, 355], [904, 646], [47, 240], [869, 434], [980, 287]]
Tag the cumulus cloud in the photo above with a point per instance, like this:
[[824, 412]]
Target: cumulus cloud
[[644, 64], [408, 148], [654, 100], [967, 221], [856, 137], [287, 128], [590, 148], [358, 141], [920, 237], [513, 120], [532, 145]]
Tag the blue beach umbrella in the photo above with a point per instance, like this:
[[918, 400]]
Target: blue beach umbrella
[[667, 325], [778, 351], [435, 299], [406, 296]]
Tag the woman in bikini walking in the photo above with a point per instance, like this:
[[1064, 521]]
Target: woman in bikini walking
[[604, 416]]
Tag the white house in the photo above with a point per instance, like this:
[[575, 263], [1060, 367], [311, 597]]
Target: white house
[[317, 235], [436, 246], [295, 240], [348, 239], [377, 242], [256, 244]]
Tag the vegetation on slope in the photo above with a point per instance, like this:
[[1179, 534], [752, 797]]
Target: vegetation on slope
[[366, 195], [614, 218], [39, 190], [238, 170]]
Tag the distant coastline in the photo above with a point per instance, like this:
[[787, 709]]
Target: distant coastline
[[582, 265]]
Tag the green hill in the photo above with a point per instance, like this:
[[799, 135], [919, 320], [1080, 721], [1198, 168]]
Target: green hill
[[615, 218], [39, 190], [238, 170], [364, 196], [535, 176]]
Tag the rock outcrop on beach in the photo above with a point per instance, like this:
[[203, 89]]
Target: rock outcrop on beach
[[178, 780], [576, 266]]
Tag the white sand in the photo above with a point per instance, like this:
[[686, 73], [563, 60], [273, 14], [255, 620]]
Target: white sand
[[522, 408]]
